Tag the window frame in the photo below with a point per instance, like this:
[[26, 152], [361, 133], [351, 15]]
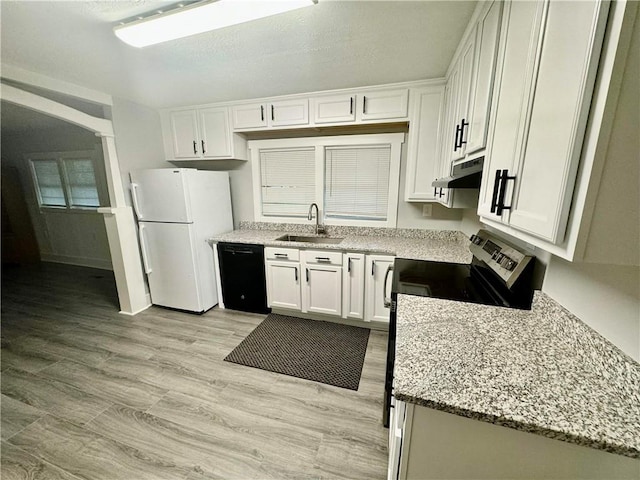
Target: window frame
[[60, 158], [394, 140]]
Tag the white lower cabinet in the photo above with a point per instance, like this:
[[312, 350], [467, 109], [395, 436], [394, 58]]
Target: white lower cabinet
[[378, 287], [431, 445], [353, 285], [322, 290], [348, 285], [283, 278]]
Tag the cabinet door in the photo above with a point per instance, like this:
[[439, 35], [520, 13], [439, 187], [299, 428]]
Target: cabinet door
[[461, 118], [423, 160], [550, 155], [184, 134], [353, 286], [289, 112], [322, 292], [482, 83], [215, 133], [334, 108], [283, 285], [384, 104], [248, 116], [514, 82], [376, 272]]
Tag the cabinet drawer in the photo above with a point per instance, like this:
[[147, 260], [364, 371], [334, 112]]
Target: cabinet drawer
[[276, 253], [323, 256]]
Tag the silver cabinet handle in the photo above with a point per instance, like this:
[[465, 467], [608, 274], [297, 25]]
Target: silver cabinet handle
[[387, 300], [323, 259]]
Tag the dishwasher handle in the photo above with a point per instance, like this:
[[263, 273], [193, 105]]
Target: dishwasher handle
[[387, 300]]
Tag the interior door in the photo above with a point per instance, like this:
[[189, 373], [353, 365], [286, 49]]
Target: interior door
[[169, 256], [160, 195]]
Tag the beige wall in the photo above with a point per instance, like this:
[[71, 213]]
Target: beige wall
[[605, 297], [138, 137]]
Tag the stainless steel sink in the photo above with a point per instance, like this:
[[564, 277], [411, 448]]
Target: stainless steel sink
[[299, 238]]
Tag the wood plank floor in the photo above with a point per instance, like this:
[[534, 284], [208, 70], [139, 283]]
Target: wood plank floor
[[89, 393]]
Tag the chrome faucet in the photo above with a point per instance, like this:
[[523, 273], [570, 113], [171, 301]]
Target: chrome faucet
[[319, 228]]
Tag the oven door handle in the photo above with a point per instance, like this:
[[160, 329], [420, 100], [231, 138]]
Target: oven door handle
[[387, 300]]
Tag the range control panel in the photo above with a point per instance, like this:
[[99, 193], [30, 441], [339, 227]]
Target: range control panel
[[503, 258]]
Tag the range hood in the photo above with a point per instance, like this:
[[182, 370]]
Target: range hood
[[464, 175]]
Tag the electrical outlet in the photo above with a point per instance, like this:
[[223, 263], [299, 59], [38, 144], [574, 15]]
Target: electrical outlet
[[427, 209]]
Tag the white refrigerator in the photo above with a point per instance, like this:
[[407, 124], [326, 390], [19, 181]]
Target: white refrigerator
[[178, 209]]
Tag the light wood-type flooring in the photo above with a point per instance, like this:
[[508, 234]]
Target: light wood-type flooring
[[89, 393]]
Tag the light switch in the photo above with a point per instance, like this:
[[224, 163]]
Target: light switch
[[427, 209]]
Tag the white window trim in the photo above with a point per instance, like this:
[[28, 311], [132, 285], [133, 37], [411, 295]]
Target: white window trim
[[395, 140], [59, 157]]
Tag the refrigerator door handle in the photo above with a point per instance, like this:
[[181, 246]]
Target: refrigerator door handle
[[143, 248], [134, 196]]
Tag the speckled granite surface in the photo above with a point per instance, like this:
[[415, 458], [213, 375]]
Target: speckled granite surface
[[542, 371], [441, 246]]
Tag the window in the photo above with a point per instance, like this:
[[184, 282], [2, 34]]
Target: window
[[287, 181], [65, 180], [357, 182], [353, 179]]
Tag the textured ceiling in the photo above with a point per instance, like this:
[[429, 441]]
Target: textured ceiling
[[333, 44]]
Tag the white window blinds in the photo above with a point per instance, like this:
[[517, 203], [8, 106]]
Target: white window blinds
[[82, 182], [287, 181], [357, 182], [49, 183]]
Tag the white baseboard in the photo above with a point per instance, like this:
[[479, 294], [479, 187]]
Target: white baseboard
[[131, 314], [100, 263]]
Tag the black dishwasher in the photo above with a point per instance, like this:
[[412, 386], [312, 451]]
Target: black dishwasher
[[242, 276]]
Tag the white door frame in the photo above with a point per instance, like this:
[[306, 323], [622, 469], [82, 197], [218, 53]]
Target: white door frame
[[118, 217]]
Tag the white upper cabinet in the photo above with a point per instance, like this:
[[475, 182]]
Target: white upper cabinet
[[184, 133], [383, 104], [426, 120], [252, 115], [215, 134], [549, 56], [470, 84], [463, 73], [201, 134], [334, 108], [271, 114], [486, 51]]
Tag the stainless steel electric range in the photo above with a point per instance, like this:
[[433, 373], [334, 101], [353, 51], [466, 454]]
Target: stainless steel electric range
[[499, 274]]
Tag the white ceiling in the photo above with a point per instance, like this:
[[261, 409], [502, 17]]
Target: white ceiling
[[334, 44]]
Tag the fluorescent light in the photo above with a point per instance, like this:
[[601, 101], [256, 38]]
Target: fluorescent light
[[201, 17]]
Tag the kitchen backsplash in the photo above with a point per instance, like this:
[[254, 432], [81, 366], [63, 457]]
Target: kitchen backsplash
[[339, 230]]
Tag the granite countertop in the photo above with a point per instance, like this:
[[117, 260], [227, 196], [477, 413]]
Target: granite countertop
[[542, 371], [440, 246]]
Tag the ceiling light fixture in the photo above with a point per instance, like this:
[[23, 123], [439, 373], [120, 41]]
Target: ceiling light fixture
[[200, 17]]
